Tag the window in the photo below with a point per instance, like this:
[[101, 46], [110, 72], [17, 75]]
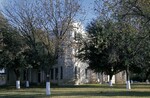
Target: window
[[79, 73], [39, 77], [7, 75], [52, 74], [56, 73], [77, 36], [75, 72], [61, 72], [24, 75], [86, 72]]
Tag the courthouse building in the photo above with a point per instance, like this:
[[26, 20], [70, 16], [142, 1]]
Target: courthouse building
[[69, 70]]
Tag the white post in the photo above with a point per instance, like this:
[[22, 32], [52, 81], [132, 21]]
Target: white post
[[110, 83], [147, 81], [128, 85], [48, 88], [131, 81], [27, 83], [18, 84]]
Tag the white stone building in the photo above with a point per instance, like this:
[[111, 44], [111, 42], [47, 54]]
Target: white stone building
[[69, 70]]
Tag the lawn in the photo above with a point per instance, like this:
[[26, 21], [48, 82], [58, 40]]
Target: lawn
[[82, 91]]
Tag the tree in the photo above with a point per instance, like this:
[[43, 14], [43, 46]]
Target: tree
[[101, 50], [134, 18], [53, 17], [12, 57], [11, 49], [142, 68], [3, 24], [30, 61], [139, 9]]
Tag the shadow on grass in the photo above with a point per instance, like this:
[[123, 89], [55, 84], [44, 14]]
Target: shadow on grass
[[37, 92], [115, 86], [83, 93], [22, 96], [109, 94], [118, 86], [79, 94]]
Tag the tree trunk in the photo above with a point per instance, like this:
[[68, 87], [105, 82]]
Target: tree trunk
[[17, 73], [128, 85], [48, 85], [27, 78], [110, 80]]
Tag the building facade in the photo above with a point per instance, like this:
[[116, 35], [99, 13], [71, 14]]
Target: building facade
[[69, 70]]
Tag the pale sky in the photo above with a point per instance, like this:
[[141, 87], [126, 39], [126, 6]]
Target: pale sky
[[87, 5], [1, 1], [89, 8]]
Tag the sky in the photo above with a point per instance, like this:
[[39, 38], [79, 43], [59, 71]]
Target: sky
[[87, 5], [1, 2]]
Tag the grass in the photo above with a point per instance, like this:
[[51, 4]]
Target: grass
[[82, 91]]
